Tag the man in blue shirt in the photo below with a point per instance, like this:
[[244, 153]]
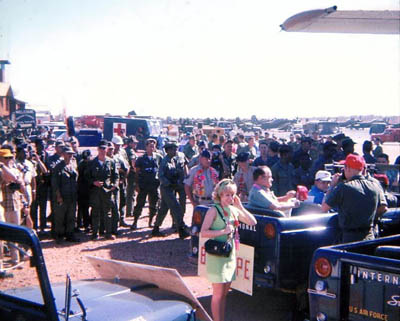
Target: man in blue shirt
[[321, 185]]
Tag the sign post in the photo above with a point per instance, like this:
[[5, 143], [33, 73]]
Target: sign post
[[25, 117]]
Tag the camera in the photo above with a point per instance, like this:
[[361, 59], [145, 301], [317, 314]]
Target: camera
[[14, 186], [174, 176], [334, 168]]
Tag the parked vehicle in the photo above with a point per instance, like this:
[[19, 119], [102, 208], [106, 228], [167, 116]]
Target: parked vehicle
[[389, 135], [322, 127], [142, 128], [356, 281], [283, 246], [116, 298], [88, 137], [377, 128]]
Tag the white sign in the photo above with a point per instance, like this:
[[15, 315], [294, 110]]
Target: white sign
[[244, 267]]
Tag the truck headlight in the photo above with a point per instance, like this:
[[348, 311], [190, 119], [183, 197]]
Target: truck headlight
[[267, 269], [321, 316], [195, 250]]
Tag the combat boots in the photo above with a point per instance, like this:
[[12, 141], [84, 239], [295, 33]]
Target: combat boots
[[156, 232], [134, 225], [183, 232]]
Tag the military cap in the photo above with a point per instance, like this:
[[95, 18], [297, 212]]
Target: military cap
[[150, 140], [205, 153], [216, 146], [338, 137], [132, 139], [103, 143], [170, 144], [347, 142], [60, 143], [242, 157], [68, 150], [328, 145]]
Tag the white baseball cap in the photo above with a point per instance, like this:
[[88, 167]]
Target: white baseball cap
[[323, 176], [117, 140]]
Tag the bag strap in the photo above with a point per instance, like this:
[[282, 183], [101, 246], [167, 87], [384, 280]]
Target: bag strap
[[223, 218], [220, 214]]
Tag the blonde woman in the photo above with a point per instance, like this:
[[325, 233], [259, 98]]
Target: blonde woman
[[221, 222]]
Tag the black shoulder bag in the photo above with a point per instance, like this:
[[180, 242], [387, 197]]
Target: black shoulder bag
[[219, 248]]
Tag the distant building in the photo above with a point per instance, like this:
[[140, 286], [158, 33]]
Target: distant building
[[8, 104]]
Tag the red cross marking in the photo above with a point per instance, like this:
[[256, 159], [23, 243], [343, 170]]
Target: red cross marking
[[118, 127]]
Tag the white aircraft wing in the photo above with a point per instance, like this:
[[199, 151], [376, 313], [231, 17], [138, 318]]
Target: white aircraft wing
[[331, 20]]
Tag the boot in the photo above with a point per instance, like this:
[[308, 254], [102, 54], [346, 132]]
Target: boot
[[72, 238], [122, 223], [156, 232], [183, 232], [134, 225]]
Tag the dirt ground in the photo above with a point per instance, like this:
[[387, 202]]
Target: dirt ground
[[131, 246], [138, 246]]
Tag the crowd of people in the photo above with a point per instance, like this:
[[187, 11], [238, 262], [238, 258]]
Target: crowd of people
[[96, 193]]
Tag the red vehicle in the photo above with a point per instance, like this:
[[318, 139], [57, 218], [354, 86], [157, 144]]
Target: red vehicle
[[92, 121], [389, 135]]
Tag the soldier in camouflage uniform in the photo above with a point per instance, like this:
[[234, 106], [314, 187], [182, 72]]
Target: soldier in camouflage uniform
[[131, 179], [171, 174], [102, 175], [147, 181], [65, 188], [52, 162]]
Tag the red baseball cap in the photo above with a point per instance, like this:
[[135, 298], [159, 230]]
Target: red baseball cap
[[354, 161]]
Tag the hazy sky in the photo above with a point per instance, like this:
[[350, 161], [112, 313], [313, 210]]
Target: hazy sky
[[195, 58]]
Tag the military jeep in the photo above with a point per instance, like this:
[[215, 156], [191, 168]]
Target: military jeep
[[120, 296], [284, 246], [356, 281]]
